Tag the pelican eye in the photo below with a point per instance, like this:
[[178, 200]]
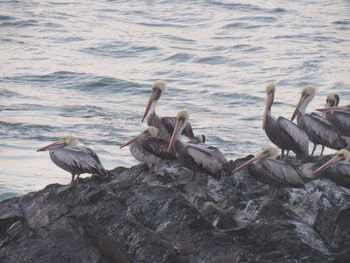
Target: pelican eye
[[181, 119], [341, 155]]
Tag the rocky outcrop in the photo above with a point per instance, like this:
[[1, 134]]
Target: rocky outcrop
[[135, 216]]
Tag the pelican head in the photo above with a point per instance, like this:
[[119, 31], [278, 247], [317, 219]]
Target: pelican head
[[267, 152], [158, 88], [181, 122], [67, 140], [307, 94], [149, 131], [341, 156], [270, 92], [332, 100]]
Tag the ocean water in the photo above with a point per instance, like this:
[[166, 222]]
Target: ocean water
[[85, 68]]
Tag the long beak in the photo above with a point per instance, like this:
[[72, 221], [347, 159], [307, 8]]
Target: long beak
[[297, 107], [332, 161], [174, 136], [48, 147], [269, 100], [332, 108], [130, 142], [258, 157], [150, 101]]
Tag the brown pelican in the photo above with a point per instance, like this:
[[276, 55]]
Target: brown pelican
[[338, 116], [74, 159], [150, 149], [196, 157], [337, 169], [164, 125], [275, 173], [319, 130], [282, 132]]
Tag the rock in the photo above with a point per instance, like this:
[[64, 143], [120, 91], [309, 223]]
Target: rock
[[135, 216]]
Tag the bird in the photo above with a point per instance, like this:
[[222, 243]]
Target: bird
[[282, 132], [196, 157], [164, 125], [276, 173], [150, 149], [337, 169], [319, 130], [74, 159], [338, 116]]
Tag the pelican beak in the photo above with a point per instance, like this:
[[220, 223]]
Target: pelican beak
[[258, 157], [297, 107], [268, 104], [131, 141], [48, 147], [331, 108], [332, 161], [155, 95], [174, 136]]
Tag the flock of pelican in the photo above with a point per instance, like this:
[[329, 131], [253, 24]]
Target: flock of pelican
[[161, 140]]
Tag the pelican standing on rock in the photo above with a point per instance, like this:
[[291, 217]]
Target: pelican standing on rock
[[72, 158], [150, 149], [319, 130], [164, 125], [282, 132], [338, 116], [196, 157], [275, 173], [337, 169]]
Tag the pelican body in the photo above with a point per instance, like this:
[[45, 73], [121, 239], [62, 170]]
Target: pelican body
[[338, 116], [337, 169], [197, 157], [74, 159], [319, 130], [164, 125], [275, 173], [150, 149], [282, 132]]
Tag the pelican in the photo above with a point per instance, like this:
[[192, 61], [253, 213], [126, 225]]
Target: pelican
[[164, 125], [74, 159], [338, 116], [150, 149], [319, 130], [337, 169], [275, 173], [282, 132], [196, 157]]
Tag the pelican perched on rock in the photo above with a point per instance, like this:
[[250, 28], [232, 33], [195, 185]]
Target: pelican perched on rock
[[150, 149], [337, 169], [72, 158], [196, 157], [275, 173], [338, 116], [282, 132], [319, 130], [164, 125]]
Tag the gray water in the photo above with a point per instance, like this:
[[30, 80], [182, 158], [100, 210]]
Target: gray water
[[85, 68]]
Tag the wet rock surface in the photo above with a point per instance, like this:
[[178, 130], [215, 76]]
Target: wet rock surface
[[135, 216]]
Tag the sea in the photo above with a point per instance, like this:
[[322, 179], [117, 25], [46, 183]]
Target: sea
[[85, 68]]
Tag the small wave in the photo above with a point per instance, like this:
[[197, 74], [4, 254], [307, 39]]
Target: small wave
[[179, 57], [6, 18], [214, 60], [341, 22], [20, 24], [242, 25]]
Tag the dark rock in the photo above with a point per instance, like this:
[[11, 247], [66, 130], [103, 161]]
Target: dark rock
[[135, 216]]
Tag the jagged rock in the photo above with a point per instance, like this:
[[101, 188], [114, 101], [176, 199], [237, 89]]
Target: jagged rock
[[135, 216]]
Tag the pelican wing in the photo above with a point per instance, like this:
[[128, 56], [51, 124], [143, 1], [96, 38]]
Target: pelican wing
[[324, 130], [209, 157], [342, 119], [158, 147], [297, 135], [282, 172], [169, 123], [78, 160]]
